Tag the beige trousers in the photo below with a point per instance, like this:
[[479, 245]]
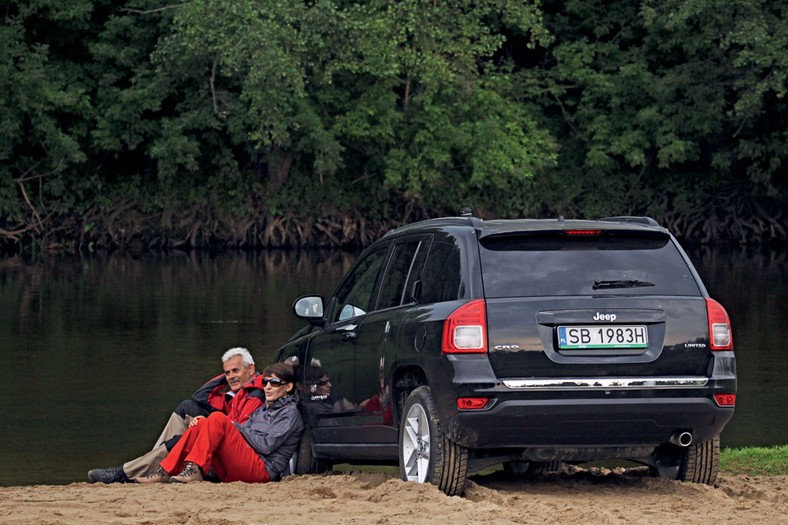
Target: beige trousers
[[147, 463]]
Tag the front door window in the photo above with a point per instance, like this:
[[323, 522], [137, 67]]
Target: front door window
[[356, 298]]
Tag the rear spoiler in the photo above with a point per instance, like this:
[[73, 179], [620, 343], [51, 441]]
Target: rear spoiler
[[646, 221]]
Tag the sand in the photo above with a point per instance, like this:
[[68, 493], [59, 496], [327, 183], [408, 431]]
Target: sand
[[574, 497]]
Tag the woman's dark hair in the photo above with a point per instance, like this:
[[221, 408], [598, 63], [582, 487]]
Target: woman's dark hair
[[282, 371]]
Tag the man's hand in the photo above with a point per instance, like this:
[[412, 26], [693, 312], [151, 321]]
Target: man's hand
[[195, 420]]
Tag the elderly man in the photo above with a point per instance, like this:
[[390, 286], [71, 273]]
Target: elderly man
[[236, 393]]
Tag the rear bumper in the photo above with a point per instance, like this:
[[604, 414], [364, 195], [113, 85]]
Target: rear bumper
[[630, 422], [582, 412]]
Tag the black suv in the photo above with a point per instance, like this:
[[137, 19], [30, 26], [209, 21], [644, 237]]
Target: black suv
[[456, 344]]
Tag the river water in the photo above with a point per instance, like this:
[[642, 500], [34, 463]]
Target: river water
[[95, 352]]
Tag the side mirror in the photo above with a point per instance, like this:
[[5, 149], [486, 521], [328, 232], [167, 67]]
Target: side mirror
[[309, 307]]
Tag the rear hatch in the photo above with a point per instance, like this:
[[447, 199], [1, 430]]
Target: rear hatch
[[600, 302]]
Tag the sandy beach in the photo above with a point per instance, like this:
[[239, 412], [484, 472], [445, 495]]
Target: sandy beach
[[575, 496]]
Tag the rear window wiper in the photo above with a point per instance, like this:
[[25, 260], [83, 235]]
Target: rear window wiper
[[624, 283]]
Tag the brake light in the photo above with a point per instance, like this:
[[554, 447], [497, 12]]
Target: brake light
[[725, 400], [471, 403], [720, 334], [465, 330], [582, 232]]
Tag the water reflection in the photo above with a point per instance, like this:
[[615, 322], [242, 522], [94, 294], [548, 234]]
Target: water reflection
[[95, 352], [752, 284]]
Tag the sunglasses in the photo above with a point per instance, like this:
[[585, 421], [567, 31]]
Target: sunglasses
[[275, 381]]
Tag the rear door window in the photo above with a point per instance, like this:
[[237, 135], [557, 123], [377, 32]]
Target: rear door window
[[442, 277], [406, 260], [613, 263]]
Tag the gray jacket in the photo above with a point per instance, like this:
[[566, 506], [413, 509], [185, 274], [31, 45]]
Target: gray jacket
[[274, 432]]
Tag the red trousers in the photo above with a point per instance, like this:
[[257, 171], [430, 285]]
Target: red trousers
[[215, 443]]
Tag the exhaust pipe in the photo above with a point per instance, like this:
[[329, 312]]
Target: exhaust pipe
[[682, 439]]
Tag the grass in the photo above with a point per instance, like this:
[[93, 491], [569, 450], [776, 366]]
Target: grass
[[755, 461]]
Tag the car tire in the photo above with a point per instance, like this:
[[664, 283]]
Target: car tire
[[426, 454], [700, 462], [307, 463]]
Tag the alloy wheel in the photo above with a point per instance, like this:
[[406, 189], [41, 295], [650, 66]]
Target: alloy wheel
[[416, 444]]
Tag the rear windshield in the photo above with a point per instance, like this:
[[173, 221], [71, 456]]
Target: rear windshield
[[613, 263]]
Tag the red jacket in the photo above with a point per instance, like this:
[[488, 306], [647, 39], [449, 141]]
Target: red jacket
[[216, 394]]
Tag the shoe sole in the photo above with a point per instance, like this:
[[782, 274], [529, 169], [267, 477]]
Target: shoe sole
[[148, 482], [174, 480]]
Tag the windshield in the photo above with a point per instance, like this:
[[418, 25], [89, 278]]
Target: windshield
[[613, 263]]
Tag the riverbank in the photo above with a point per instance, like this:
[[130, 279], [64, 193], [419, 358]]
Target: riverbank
[[130, 227], [574, 496]]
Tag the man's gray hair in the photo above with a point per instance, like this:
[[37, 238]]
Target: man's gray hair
[[246, 357]]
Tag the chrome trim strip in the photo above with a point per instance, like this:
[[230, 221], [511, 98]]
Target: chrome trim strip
[[615, 383]]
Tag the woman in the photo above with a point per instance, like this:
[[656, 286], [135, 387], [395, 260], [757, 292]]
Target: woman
[[256, 451]]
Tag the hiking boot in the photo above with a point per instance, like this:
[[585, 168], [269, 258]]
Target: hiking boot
[[190, 473], [159, 476], [108, 475]]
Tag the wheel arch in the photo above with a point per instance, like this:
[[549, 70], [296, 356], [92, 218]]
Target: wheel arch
[[405, 379]]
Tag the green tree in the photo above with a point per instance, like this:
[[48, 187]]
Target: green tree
[[660, 105], [46, 111], [364, 100], [294, 116]]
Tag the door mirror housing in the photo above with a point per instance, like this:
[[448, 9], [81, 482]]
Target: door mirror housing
[[310, 308]]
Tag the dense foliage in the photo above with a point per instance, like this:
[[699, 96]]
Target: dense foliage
[[253, 123]]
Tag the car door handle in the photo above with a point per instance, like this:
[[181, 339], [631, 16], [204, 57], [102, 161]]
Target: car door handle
[[349, 332]]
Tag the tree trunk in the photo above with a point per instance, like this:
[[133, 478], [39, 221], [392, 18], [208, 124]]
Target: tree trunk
[[278, 171]]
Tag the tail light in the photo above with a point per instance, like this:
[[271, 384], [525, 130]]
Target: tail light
[[472, 403], [720, 334], [725, 400], [465, 330], [582, 232]]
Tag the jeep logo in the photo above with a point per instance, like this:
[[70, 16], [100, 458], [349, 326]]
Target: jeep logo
[[604, 317]]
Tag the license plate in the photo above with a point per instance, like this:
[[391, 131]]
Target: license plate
[[603, 336]]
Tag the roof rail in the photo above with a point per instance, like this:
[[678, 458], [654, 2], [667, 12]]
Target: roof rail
[[454, 220], [648, 221]]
